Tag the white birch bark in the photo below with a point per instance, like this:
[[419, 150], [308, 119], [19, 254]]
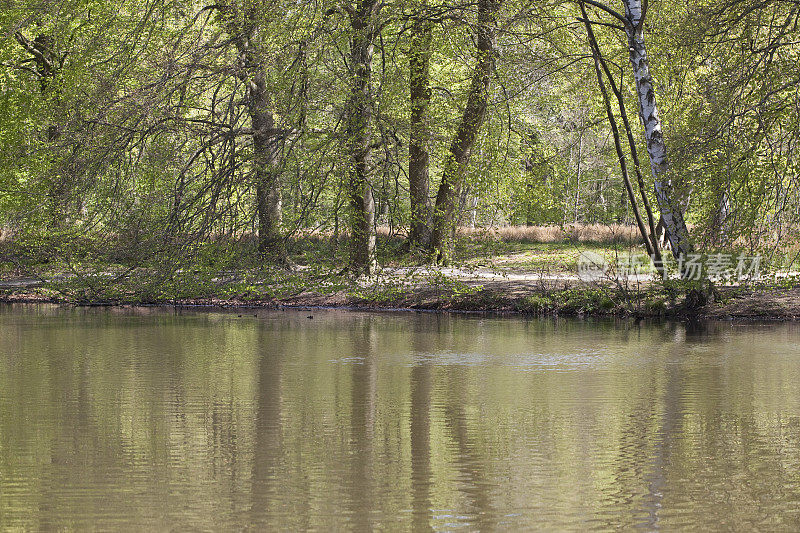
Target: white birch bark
[[671, 212]]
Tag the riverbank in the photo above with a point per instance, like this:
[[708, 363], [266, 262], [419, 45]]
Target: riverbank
[[500, 277], [504, 297]]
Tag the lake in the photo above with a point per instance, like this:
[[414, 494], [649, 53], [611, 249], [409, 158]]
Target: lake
[[154, 419]]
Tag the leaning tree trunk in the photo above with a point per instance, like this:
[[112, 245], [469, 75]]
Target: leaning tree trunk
[[418, 157], [720, 222], [444, 216], [671, 212], [623, 164], [359, 116]]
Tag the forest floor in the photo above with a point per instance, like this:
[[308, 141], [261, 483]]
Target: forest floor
[[505, 278]]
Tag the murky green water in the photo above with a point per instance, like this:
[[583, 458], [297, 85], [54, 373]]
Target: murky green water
[[152, 420]]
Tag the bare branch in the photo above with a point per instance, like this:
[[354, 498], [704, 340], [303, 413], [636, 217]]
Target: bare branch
[[599, 23], [610, 11], [31, 48]]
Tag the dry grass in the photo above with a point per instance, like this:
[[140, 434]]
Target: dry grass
[[589, 233]]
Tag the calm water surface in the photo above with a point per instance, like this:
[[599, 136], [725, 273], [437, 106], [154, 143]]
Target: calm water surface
[[156, 420]]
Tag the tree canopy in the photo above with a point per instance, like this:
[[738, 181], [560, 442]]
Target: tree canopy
[[146, 130]]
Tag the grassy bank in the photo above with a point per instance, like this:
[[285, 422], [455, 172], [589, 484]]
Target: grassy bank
[[448, 295], [529, 270]]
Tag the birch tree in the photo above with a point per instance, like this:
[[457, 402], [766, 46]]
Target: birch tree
[[633, 22]]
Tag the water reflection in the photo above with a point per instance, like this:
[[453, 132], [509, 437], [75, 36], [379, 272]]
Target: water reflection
[[142, 419], [466, 449], [421, 384], [362, 425], [268, 446]]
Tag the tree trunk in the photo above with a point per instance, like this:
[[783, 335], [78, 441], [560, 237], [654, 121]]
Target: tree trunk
[[267, 178], [719, 224], [578, 177], [671, 212], [418, 157], [615, 131], [47, 67], [359, 116], [266, 175], [650, 242], [458, 156]]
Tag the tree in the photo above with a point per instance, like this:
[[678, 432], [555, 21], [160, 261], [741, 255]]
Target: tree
[[419, 57], [244, 24], [48, 63], [633, 22], [455, 164], [735, 82], [358, 113], [597, 59]]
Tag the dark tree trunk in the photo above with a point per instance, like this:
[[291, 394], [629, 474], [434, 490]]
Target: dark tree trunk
[[267, 178], [418, 157], [444, 216], [266, 173], [359, 116], [47, 67]]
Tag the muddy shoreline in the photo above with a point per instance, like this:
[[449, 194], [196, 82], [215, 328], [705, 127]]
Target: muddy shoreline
[[502, 299]]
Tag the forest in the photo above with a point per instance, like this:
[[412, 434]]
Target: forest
[[165, 150]]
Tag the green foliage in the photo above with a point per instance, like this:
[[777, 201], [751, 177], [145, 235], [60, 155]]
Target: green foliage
[[127, 168]]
